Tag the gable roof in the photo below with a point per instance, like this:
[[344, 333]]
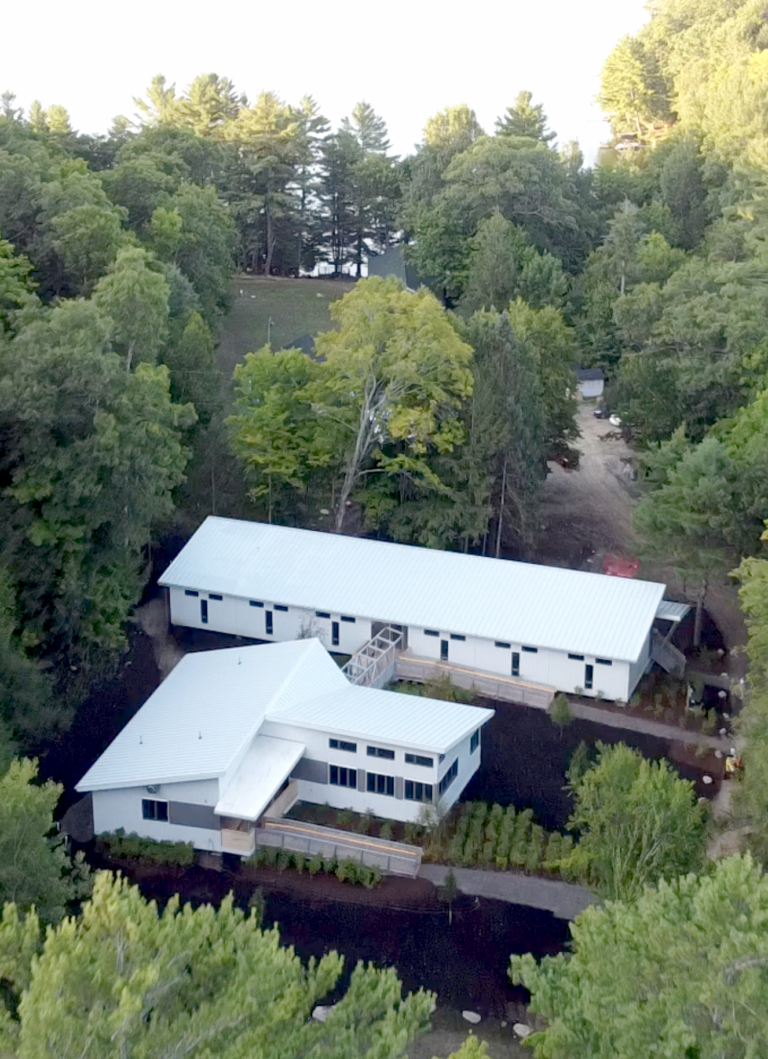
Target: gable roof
[[493, 599], [206, 709], [589, 374], [212, 705]]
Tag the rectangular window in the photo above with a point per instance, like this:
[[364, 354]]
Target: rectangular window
[[531, 650], [321, 614], [343, 777], [417, 759], [152, 810], [418, 792], [255, 603], [279, 606], [443, 650], [380, 751], [431, 632], [474, 742], [268, 616], [456, 636], [589, 675], [342, 744], [345, 617], [503, 646], [604, 661], [449, 777], [190, 592], [576, 658], [204, 611], [515, 663], [334, 634], [212, 596], [378, 784]]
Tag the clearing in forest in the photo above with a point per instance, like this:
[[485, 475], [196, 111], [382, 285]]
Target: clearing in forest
[[296, 307]]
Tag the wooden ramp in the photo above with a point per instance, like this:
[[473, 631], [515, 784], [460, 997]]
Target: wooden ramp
[[490, 685], [312, 839]]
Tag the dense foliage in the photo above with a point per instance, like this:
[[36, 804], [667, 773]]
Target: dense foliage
[[680, 971]]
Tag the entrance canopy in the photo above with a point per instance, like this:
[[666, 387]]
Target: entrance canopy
[[267, 764], [669, 611]]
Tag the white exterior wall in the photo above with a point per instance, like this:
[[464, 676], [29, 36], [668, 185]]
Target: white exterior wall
[[380, 805], [592, 388], [636, 669], [238, 618], [121, 808], [551, 668]]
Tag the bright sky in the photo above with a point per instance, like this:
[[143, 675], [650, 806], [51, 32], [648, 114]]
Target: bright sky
[[408, 58]]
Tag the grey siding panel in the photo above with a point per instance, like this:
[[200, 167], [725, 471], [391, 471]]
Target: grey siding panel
[[361, 779], [192, 815], [399, 787], [310, 770]]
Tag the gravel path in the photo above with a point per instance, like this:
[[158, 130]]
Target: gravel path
[[562, 899], [640, 724]]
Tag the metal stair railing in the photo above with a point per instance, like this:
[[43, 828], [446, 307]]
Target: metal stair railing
[[374, 657]]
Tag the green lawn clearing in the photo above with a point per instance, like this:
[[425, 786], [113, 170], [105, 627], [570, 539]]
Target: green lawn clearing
[[296, 306]]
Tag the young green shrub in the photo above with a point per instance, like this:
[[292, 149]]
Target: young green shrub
[[411, 833], [257, 903], [284, 859], [371, 875], [518, 852], [486, 854], [386, 831], [469, 853], [560, 712], [346, 871], [315, 864], [553, 851], [299, 862], [329, 865], [535, 848], [344, 818], [709, 723]]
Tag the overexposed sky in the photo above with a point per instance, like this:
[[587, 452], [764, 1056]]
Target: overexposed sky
[[408, 58]]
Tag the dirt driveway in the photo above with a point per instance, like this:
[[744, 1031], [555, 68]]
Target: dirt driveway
[[586, 513]]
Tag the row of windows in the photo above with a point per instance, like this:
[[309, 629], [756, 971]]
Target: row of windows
[[211, 595], [378, 783], [383, 752], [343, 777], [599, 661], [449, 777]]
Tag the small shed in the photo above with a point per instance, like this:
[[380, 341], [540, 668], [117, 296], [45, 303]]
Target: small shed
[[591, 382]]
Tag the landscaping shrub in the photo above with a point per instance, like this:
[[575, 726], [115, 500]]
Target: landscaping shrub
[[315, 864], [518, 852], [535, 850], [134, 847], [386, 830]]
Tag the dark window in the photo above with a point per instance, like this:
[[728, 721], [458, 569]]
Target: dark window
[[604, 661], [344, 617], [503, 646], [515, 663], [449, 777], [589, 674], [268, 615], [378, 784], [474, 742], [279, 606], [443, 650], [418, 792], [190, 592], [431, 632], [204, 611], [152, 810], [456, 636], [531, 650], [379, 751], [417, 759], [577, 658], [211, 596], [255, 603], [341, 744], [321, 614], [335, 634], [342, 777]]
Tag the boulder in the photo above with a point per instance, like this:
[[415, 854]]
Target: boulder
[[471, 1016]]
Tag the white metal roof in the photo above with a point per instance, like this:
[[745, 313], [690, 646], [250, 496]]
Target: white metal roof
[[209, 705], [669, 611], [260, 775], [518, 603], [213, 704], [387, 717]]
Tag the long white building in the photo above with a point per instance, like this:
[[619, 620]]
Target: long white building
[[562, 629], [234, 734]]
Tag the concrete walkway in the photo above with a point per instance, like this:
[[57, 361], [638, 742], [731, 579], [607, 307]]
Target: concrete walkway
[[639, 724], [562, 899]]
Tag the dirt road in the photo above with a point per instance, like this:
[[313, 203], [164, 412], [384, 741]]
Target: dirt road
[[586, 513]]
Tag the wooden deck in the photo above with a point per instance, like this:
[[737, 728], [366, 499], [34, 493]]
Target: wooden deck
[[491, 685]]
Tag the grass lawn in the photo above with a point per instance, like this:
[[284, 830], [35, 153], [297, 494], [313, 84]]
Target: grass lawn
[[296, 306]]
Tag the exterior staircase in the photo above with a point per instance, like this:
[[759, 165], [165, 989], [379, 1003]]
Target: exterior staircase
[[374, 664], [667, 655]]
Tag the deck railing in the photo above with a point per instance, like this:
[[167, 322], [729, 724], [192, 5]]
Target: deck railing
[[375, 657]]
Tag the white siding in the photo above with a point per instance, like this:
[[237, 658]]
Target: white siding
[[122, 809], [468, 765], [636, 670], [591, 387]]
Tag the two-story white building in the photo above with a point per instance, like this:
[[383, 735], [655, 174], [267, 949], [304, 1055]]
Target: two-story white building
[[565, 630], [230, 732]]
